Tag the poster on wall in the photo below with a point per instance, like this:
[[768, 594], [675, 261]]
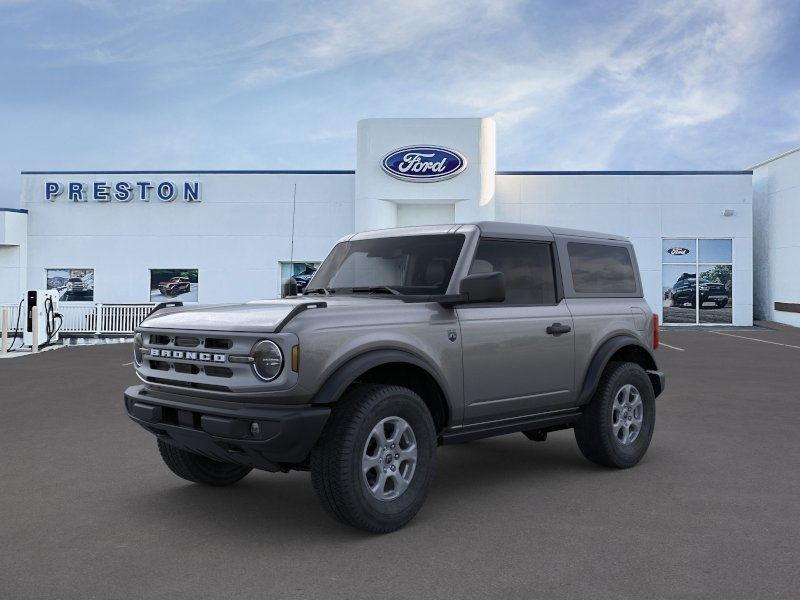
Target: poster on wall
[[73, 285], [301, 271], [170, 285]]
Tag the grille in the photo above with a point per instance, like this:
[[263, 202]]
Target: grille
[[194, 372]]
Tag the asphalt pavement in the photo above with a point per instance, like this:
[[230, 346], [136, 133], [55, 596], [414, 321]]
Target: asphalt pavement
[[87, 509]]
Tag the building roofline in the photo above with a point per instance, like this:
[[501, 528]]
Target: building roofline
[[197, 172], [781, 155], [24, 211], [741, 172], [348, 172]]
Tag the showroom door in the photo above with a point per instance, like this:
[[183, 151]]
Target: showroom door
[[697, 281]]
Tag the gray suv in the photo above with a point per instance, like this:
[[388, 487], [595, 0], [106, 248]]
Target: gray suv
[[404, 340]]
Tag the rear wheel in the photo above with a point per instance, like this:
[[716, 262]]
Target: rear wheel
[[199, 469], [617, 425], [374, 463]]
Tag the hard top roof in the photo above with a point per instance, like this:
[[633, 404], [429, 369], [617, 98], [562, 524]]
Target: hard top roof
[[487, 228]]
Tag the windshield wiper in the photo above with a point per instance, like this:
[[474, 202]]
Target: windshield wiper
[[375, 289], [320, 290]]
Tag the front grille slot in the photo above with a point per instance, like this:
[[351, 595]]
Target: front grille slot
[[187, 342], [159, 340], [214, 371], [159, 365], [218, 343], [186, 368]]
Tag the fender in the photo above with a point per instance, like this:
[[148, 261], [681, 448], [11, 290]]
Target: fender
[[604, 354], [337, 383]]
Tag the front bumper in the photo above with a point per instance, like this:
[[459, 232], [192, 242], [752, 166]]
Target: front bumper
[[284, 434]]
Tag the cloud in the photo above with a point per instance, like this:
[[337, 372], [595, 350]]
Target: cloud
[[336, 34]]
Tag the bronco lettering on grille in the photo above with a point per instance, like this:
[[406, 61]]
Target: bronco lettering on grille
[[181, 354]]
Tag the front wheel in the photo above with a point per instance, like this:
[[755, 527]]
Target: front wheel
[[617, 425], [374, 463], [199, 469]]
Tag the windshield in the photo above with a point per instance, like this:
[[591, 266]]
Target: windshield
[[411, 265]]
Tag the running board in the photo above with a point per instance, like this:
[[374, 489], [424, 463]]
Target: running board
[[544, 421]]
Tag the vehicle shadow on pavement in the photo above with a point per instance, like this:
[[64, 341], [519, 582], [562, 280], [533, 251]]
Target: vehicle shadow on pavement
[[284, 505]]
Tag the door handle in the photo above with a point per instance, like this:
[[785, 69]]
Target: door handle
[[557, 329]]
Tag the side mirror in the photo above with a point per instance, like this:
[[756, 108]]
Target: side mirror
[[290, 287], [483, 287]]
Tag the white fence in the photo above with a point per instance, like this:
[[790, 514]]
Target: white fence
[[91, 318]]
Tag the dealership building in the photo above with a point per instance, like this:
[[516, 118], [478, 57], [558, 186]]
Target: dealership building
[[137, 237]]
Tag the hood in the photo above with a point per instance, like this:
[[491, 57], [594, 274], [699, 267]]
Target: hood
[[261, 316], [265, 316]]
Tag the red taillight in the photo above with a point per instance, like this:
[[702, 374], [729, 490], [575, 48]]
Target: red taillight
[[655, 331]]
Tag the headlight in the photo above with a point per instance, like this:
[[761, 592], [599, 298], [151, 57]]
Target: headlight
[[138, 342], [268, 360]]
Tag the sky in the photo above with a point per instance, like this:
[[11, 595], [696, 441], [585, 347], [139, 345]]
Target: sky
[[572, 85]]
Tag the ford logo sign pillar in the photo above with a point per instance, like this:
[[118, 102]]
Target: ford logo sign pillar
[[454, 157], [423, 163]]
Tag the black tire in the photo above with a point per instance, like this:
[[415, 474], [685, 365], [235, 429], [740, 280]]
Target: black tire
[[336, 471], [199, 469], [594, 431]]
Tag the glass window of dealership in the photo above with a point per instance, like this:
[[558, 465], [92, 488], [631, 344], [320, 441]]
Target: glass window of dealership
[[122, 237]]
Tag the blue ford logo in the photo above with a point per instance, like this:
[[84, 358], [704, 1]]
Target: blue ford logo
[[678, 251], [423, 163]]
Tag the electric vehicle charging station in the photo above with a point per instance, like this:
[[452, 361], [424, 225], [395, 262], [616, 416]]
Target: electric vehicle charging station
[[42, 319]]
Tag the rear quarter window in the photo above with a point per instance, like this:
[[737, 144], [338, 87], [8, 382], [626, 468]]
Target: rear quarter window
[[601, 269]]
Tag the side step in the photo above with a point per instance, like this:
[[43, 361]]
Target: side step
[[550, 421]]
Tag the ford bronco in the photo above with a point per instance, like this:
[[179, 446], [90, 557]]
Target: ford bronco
[[175, 286], [404, 340]]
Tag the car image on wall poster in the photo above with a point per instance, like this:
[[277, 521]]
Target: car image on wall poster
[[73, 285], [171, 285]]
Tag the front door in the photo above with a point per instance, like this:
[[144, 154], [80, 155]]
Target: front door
[[519, 354]]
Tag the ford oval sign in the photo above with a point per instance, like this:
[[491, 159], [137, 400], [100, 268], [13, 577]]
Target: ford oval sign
[[678, 251], [423, 163]]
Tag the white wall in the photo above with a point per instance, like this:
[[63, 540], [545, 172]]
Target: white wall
[[241, 230], [13, 255], [776, 199], [645, 208], [235, 236]]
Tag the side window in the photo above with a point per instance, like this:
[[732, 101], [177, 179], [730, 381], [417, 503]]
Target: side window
[[601, 269], [527, 267]]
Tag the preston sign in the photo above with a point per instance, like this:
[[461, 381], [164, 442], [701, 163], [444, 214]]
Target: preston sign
[[423, 163], [123, 191]]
